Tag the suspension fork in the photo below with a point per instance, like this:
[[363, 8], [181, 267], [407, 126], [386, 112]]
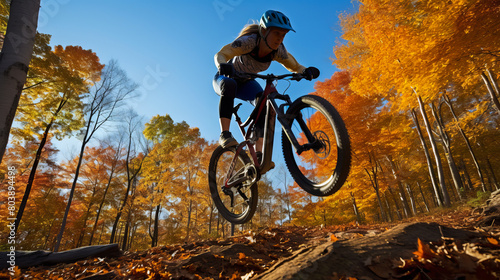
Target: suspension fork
[[286, 120]]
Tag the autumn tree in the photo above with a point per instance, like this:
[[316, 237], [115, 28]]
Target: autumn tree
[[190, 180], [113, 157], [134, 159], [15, 59], [410, 53], [160, 167], [105, 98], [52, 101], [46, 200]]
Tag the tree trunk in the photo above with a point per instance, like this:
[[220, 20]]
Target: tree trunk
[[154, 241], [404, 199], [439, 165], [492, 87], [432, 174], [413, 201], [476, 163], [423, 197], [398, 210], [494, 177], [125, 198], [102, 202], [126, 233], [188, 226], [15, 58], [32, 176], [466, 175], [38, 155], [84, 224], [446, 142], [389, 214], [72, 192], [356, 210], [376, 187]]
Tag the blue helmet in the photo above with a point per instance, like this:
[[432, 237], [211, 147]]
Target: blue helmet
[[275, 19]]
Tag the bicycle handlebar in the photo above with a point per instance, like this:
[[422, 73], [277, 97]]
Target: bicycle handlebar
[[295, 76]]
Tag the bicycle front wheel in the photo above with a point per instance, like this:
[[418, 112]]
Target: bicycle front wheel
[[323, 167], [238, 203]]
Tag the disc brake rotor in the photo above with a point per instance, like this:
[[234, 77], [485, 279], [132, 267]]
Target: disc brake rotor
[[324, 151]]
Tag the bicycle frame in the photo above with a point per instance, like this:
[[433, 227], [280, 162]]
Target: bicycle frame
[[267, 103]]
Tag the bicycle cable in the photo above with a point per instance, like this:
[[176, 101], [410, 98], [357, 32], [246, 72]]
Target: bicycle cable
[[289, 84]]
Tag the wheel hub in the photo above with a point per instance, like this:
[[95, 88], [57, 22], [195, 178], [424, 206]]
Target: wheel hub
[[323, 148]]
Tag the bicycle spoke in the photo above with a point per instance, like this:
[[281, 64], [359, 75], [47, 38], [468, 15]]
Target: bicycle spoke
[[232, 197]]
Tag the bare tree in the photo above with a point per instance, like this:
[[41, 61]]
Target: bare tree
[[134, 137], [105, 97], [14, 62]]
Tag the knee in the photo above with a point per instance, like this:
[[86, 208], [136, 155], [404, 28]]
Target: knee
[[228, 87]]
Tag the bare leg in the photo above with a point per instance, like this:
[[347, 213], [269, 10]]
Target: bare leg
[[225, 123]]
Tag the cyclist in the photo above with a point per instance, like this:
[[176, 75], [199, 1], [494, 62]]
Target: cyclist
[[252, 51]]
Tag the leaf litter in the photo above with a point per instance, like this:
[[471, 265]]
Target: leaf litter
[[247, 255]]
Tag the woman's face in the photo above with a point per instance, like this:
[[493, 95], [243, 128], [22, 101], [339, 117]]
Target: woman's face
[[276, 36]]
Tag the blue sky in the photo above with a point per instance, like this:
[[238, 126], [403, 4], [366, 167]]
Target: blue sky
[[167, 47]]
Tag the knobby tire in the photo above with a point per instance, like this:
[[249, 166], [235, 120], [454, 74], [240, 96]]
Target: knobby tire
[[342, 162]]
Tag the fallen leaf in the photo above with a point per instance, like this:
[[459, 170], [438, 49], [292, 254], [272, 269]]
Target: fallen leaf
[[493, 241], [333, 238], [424, 251]]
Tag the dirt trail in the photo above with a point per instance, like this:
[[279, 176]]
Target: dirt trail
[[454, 243], [368, 256]]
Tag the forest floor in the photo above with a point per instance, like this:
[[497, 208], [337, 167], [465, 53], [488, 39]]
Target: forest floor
[[459, 243]]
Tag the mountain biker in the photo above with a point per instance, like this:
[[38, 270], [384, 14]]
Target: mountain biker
[[252, 51]]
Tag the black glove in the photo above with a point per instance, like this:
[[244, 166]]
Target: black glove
[[226, 69], [310, 73]]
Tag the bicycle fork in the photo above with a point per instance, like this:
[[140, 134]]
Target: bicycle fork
[[286, 121]]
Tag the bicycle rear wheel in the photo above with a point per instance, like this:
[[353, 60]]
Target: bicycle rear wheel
[[323, 169], [238, 203]]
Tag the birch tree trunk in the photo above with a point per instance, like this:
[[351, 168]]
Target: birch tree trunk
[[446, 142], [492, 87], [432, 173], [476, 163], [439, 165], [15, 57], [413, 200]]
